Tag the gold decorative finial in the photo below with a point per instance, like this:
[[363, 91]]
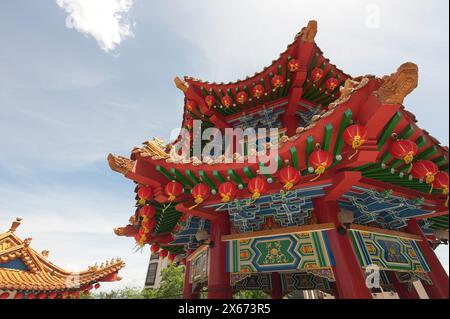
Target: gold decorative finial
[[398, 85], [120, 164], [310, 31], [45, 253], [119, 231], [15, 224], [182, 85]]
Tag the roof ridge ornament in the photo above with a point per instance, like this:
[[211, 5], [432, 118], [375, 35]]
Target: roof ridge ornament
[[180, 84], [398, 85], [15, 224], [309, 32], [120, 164]]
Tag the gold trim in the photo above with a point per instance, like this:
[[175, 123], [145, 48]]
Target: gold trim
[[284, 231], [392, 233]]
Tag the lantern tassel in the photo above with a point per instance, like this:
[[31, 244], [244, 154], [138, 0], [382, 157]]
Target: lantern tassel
[[288, 185], [410, 168], [198, 201], [354, 154], [225, 197], [319, 171], [445, 191], [166, 207]]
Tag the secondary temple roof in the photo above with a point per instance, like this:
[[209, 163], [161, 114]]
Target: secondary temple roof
[[313, 112], [26, 273]]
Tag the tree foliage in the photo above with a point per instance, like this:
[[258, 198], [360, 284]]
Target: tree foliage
[[171, 287]]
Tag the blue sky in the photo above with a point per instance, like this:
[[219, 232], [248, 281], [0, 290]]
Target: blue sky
[[68, 98]]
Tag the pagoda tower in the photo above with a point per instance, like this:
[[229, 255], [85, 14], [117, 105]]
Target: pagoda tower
[[358, 200]]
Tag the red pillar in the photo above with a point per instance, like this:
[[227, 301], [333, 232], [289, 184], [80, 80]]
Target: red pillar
[[439, 288], [219, 278], [402, 288], [277, 289], [350, 280]]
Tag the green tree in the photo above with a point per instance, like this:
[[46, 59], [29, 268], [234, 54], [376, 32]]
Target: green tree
[[171, 287], [171, 283], [250, 294]]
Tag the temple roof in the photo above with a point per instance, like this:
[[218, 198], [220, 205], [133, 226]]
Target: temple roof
[[24, 269], [321, 117], [306, 56]]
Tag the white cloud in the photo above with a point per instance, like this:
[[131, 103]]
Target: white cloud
[[104, 20]]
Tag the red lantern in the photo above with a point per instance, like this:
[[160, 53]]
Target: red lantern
[[19, 295], [42, 296], [173, 189], [163, 253], [241, 97], [227, 191], [293, 65], [289, 176], [31, 296], [320, 161], [331, 84], [210, 100], [4, 295], [145, 193], [441, 182], [75, 294], [52, 295], [277, 82], [171, 257], [190, 105], [227, 101], [147, 211], [257, 186], [316, 74], [258, 91], [426, 170], [148, 224], [355, 136], [188, 122], [154, 248], [200, 193], [97, 285], [405, 150]]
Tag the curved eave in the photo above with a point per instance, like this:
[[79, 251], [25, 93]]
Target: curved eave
[[291, 51]]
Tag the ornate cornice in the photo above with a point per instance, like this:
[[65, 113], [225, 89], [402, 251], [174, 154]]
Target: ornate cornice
[[120, 164], [398, 85]]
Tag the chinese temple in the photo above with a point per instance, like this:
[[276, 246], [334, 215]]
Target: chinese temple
[[359, 188], [27, 274]]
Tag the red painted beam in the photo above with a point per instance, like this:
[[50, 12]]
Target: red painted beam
[[440, 212], [196, 212], [342, 182]]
